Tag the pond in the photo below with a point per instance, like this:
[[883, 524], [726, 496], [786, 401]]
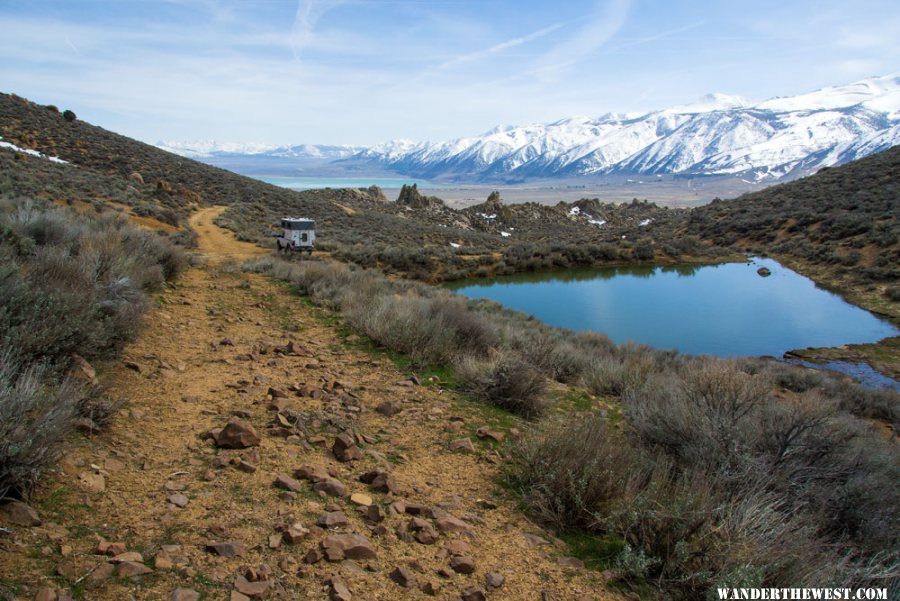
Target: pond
[[726, 310]]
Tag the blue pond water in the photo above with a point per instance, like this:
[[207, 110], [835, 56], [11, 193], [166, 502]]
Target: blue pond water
[[726, 310]]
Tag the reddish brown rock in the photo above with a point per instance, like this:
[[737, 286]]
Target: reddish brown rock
[[314, 555], [380, 480], [315, 473], [333, 519], [347, 546], [338, 590], [185, 594], [178, 500], [458, 547], [46, 594], [287, 483], [331, 487], [403, 577], [374, 513], [133, 556], [431, 587], [295, 533], [345, 449], [227, 549], [485, 432], [452, 524], [388, 408], [254, 590], [462, 564], [100, 575], [473, 594], [419, 509], [493, 581], [237, 434], [462, 445], [21, 514], [132, 569], [107, 548]]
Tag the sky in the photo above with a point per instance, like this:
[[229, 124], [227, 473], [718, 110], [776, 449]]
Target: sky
[[366, 71]]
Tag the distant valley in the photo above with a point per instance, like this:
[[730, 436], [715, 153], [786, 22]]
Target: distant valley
[[745, 145]]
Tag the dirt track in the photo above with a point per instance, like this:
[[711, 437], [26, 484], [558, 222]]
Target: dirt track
[[208, 352]]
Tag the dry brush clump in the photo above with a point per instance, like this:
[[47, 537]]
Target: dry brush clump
[[716, 481], [71, 285]]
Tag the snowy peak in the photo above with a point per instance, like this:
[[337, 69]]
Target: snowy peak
[[711, 102], [717, 134], [881, 94], [211, 148]]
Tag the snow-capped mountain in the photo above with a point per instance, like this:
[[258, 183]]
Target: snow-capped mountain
[[200, 149], [718, 134]]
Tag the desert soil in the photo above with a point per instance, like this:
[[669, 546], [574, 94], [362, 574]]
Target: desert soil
[[220, 344]]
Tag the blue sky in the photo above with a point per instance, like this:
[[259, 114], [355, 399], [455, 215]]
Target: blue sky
[[365, 71]]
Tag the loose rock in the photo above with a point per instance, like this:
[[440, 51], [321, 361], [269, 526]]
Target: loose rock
[[493, 580], [287, 483], [178, 500], [237, 434], [185, 594], [347, 546], [473, 594], [21, 514], [462, 445], [462, 564], [132, 569], [345, 449], [331, 487], [227, 549], [403, 577]]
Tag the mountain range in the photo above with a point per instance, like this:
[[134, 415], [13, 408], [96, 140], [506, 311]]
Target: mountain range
[[780, 138]]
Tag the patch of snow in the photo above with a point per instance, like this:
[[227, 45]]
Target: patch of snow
[[454, 245], [491, 216], [505, 234], [31, 152], [644, 222], [597, 222], [574, 211]]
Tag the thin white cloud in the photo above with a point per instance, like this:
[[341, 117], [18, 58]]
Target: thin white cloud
[[607, 19], [512, 43], [308, 14]]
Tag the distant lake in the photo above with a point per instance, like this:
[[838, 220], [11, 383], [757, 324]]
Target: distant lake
[[726, 310], [311, 183]]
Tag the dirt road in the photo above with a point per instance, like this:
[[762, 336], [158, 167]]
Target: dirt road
[[223, 344]]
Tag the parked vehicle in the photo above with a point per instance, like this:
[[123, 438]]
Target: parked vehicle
[[298, 234]]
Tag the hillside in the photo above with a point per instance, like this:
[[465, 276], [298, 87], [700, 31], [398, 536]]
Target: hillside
[[423, 240], [839, 226]]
